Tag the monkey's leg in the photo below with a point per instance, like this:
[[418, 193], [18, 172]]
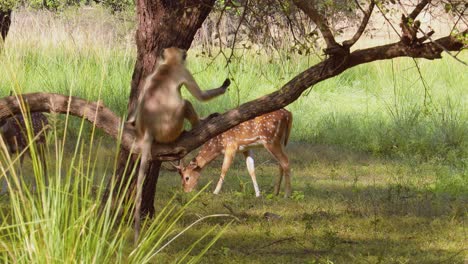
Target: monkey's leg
[[145, 156], [191, 114]]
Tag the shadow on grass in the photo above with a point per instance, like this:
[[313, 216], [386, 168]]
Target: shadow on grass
[[323, 247], [347, 208]]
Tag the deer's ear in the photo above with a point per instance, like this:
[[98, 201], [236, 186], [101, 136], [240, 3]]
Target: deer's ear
[[194, 163], [178, 167]]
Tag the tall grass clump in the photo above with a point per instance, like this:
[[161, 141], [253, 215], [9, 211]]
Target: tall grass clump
[[67, 220]]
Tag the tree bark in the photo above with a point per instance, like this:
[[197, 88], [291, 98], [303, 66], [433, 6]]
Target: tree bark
[[161, 24], [5, 22]]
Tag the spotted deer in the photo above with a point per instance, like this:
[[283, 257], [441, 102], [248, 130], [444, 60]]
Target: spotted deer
[[269, 130]]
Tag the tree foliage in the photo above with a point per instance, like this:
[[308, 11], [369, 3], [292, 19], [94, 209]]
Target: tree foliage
[[6, 5], [59, 5], [118, 5]]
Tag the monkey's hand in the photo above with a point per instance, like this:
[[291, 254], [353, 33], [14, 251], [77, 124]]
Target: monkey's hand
[[208, 94], [226, 83]]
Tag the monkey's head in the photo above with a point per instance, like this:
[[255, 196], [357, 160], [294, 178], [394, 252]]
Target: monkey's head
[[189, 175], [174, 55]]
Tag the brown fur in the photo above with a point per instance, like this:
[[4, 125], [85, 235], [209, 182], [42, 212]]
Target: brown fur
[[270, 130], [161, 110]]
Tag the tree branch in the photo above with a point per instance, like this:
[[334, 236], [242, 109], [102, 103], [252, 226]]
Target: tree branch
[[307, 7], [94, 112], [428, 37], [362, 27], [419, 7], [105, 119], [410, 26]]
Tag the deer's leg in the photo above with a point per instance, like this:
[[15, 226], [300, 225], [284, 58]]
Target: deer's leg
[[229, 155], [277, 151], [278, 180], [191, 114], [281, 170], [251, 168]]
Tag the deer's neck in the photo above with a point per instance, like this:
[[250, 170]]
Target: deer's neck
[[207, 154]]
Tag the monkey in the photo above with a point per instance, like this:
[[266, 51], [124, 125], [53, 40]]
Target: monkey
[[161, 110]]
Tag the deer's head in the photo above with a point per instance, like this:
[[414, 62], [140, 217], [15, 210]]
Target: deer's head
[[189, 175]]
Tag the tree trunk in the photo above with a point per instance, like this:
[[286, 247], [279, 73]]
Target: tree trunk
[[5, 22], [161, 24]]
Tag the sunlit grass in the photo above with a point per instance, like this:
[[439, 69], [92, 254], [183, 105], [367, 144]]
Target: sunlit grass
[[379, 161], [381, 108], [346, 207], [67, 220]]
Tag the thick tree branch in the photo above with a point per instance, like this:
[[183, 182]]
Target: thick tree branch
[[110, 123], [419, 7], [362, 27], [428, 36], [307, 7], [94, 112], [410, 26]]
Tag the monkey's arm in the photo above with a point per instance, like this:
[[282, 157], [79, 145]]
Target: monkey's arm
[[132, 115], [133, 112], [195, 90]]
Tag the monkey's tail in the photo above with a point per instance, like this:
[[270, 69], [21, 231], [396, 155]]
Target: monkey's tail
[[289, 119]]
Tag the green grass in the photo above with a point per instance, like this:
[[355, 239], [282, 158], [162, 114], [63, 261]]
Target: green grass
[[379, 161], [346, 207], [381, 108], [66, 220]]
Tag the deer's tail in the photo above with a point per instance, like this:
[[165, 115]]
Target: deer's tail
[[289, 119]]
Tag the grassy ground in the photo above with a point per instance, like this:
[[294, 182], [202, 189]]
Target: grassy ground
[[347, 207], [379, 159]]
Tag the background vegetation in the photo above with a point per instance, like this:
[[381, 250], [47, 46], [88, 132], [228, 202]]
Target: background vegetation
[[383, 108], [379, 155]]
